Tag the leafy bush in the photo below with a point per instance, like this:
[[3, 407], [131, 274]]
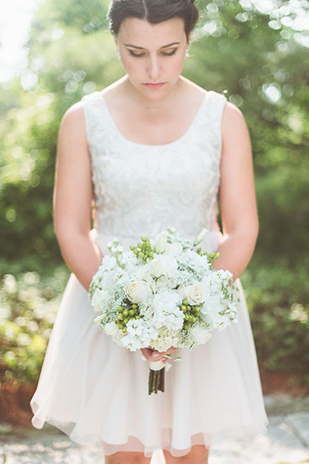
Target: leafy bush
[[279, 316], [28, 311]]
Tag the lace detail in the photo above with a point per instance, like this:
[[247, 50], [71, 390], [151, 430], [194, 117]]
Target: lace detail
[[143, 189]]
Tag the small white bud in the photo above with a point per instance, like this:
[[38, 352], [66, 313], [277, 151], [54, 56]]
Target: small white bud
[[200, 237]]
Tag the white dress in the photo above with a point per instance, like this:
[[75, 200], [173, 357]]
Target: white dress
[[96, 391]]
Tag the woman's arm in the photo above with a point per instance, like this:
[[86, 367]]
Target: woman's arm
[[73, 197], [236, 194]]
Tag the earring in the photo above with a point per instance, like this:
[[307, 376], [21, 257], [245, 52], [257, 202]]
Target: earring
[[118, 56], [187, 52]]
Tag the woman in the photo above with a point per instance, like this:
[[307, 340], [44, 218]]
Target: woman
[[145, 157]]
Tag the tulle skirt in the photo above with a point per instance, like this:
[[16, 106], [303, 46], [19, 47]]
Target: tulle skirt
[[97, 392]]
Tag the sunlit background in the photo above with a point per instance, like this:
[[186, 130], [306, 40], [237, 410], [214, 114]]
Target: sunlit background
[[16, 16], [15, 21]]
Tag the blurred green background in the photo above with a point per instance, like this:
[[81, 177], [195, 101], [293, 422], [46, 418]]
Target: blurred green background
[[260, 58]]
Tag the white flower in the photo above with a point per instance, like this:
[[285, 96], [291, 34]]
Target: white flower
[[136, 327], [160, 243], [194, 293], [212, 304], [109, 280], [131, 343], [205, 262], [163, 283], [166, 310], [141, 273], [138, 291], [199, 335], [109, 262], [166, 339], [163, 266], [170, 266], [166, 300], [111, 329], [155, 266], [224, 274], [212, 282], [138, 335], [98, 299], [200, 237], [174, 249]]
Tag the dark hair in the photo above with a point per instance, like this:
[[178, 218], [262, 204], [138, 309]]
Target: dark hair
[[154, 11]]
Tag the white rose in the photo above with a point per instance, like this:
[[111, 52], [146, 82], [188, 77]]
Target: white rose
[[111, 329], [194, 293], [137, 291], [199, 335], [160, 243], [155, 267]]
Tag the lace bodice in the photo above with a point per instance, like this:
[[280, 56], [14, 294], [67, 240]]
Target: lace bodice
[[143, 189]]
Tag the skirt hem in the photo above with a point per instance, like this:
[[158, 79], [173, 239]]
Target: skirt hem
[[168, 443]]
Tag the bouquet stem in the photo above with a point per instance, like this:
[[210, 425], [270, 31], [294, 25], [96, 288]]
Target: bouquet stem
[[156, 381]]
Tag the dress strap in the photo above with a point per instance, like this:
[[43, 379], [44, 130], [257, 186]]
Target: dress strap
[[209, 124], [98, 125]]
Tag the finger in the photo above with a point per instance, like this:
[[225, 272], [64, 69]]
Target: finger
[[148, 353]]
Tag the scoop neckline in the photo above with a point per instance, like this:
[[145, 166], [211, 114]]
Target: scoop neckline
[[165, 145]]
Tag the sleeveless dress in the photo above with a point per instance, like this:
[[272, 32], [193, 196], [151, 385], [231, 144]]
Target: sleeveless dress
[[96, 391]]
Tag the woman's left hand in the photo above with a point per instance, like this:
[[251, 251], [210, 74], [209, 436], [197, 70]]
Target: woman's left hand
[[154, 355]]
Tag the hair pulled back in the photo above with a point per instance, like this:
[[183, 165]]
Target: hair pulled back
[[153, 11]]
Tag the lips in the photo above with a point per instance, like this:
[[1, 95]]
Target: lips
[[155, 85]]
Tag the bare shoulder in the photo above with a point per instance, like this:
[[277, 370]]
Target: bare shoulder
[[236, 143], [75, 115], [73, 125], [72, 136], [233, 121]]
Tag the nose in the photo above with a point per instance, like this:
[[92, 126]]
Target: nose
[[153, 67]]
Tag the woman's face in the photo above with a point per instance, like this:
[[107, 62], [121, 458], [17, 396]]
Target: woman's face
[[152, 53]]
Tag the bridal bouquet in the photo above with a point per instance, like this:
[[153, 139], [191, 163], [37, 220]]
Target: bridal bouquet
[[161, 294]]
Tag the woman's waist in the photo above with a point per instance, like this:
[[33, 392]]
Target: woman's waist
[[210, 242]]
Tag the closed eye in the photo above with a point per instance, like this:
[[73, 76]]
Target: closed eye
[[142, 54]]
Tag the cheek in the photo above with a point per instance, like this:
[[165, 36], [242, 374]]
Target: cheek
[[175, 66], [132, 65]]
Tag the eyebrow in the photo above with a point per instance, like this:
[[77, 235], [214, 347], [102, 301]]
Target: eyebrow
[[141, 48]]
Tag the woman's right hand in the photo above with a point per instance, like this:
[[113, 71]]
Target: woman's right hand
[[153, 355]]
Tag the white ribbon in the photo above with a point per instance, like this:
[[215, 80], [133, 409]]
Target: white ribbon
[[156, 365]]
